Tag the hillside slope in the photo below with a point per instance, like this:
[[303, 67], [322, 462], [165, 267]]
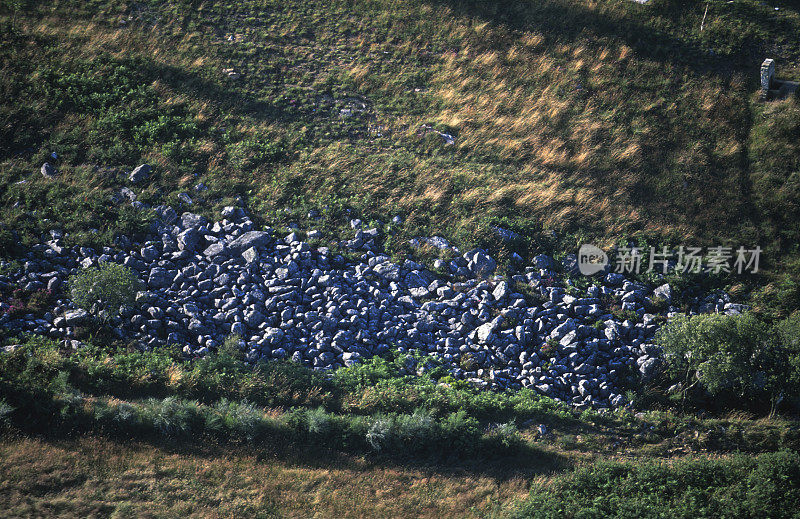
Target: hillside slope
[[601, 120]]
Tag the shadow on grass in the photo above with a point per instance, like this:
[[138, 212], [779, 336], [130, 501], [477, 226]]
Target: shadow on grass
[[524, 460], [560, 21], [226, 98]]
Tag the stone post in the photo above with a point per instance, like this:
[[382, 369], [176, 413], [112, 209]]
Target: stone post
[[767, 74]]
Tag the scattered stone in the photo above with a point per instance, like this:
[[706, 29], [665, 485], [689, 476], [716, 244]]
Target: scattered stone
[[767, 75], [127, 193], [288, 299], [231, 74], [482, 264], [188, 239], [76, 317]]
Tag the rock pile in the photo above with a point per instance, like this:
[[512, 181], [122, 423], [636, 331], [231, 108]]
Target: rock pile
[[206, 281]]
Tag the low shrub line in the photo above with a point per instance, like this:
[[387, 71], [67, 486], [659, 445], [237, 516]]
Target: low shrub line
[[766, 485]]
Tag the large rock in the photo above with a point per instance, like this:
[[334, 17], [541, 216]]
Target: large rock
[[250, 255], [544, 262], [167, 214], [140, 174], [158, 278], [570, 264], [190, 220], [486, 332], [481, 263], [501, 291], [215, 249], [250, 239], [188, 239], [48, 171], [663, 292], [563, 329], [650, 368], [254, 318], [76, 317], [388, 270]]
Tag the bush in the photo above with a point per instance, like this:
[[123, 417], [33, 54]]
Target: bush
[[318, 422], [732, 358], [5, 411], [787, 335], [240, 419], [107, 287], [765, 486], [233, 347], [174, 417]]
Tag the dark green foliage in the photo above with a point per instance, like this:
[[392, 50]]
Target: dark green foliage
[[107, 287], [737, 360], [787, 337], [767, 485]]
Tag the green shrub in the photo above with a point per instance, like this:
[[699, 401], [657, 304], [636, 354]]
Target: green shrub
[[764, 486], [240, 419], [506, 435], [787, 335], [380, 434], [365, 374], [318, 422], [232, 346], [108, 287], [729, 357], [5, 411], [174, 417]]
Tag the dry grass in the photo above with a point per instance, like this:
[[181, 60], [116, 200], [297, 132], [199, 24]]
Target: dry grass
[[91, 477], [576, 128]]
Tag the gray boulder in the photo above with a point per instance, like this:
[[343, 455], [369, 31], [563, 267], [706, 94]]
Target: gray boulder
[[570, 264], [250, 239], [250, 255], [48, 171], [189, 220], [481, 263], [663, 292], [76, 317], [543, 262], [501, 291], [387, 270], [254, 318], [215, 249], [158, 278], [141, 173], [188, 239], [650, 368]]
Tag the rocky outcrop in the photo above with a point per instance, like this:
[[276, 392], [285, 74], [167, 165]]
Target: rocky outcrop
[[288, 300]]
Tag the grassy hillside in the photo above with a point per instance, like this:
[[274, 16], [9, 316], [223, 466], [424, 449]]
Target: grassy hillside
[[602, 120]]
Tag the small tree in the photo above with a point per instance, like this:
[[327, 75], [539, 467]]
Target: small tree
[[108, 287], [732, 357], [787, 335]]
